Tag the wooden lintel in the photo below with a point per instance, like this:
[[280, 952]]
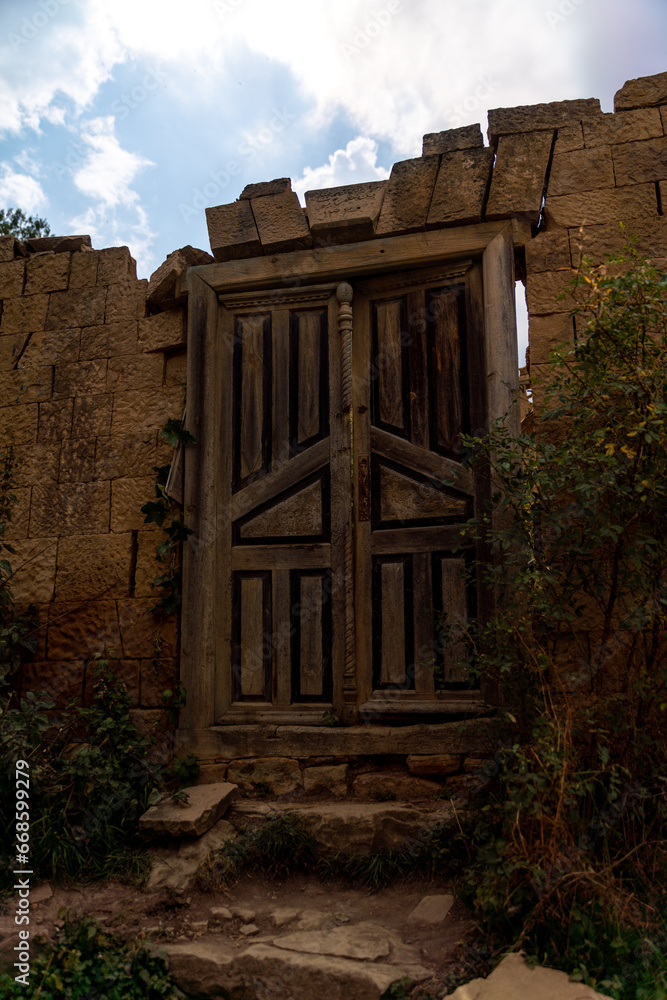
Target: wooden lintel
[[301, 267], [230, 742]]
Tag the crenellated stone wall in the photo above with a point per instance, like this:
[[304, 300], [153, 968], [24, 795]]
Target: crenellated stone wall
[[92, 360]]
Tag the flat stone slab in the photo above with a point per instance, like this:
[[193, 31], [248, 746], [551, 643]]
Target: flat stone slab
[[205, 805], [513, 980], [362, 941], [200, 967], [271, 972], [283, 915], [431, 909], [345, 214]]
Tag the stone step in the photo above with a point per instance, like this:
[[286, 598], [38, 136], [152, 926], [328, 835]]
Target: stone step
[[353, 827], [357, 961]]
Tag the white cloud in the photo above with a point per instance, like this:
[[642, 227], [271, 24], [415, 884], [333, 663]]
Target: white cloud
[[352, 165], [20, 190], [395, 69], [108, 170], [107, 229]]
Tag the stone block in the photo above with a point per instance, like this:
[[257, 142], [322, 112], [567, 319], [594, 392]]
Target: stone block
[[345, 214], [281, 185], [598, 241], [77, 307], [280, 774], [364, 941], [157, 676], [519, 175], [514, 978], [80, 631], [79, 378], [162, 282], [91, 416], [138, 627], [57, 244], [408, 196], [92, 567], [62, 681], [176, 870], [326, 780], [126, 302], [11, 278], [10, 350], [147, 567], [26, 314], [37, 464], [624, 126], [55, 420], [127, 498], [537, 117], [543, 290], [115, 264], [75, 508], [83, 270], [26, 385], [581, 170], [34, 566], [19, 424], [435, 764], [175, 368], [547, 333], [208, 773], [468, 137], [644, 92], [47, 273], [205, 806], [109, 341], [431, 910], [7, 249], [17, 527], [232, 231], [605, 205], [52, 348], [460, 188], [77, 461], [163, 331], [640, 162], [403, 786], [569, 137], [548, 252], [135, 371], [136, 413], [125, 455], [663, 115], [282, 224]]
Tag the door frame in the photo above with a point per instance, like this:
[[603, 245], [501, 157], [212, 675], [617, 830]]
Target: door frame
[[207, 510]]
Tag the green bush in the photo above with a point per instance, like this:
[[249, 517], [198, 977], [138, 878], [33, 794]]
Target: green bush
[[85, 963], [570, 837]]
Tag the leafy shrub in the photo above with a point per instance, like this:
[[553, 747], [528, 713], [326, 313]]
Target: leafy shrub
[[86, 963], [571, 859]]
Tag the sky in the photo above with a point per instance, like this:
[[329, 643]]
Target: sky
[[124, 119]]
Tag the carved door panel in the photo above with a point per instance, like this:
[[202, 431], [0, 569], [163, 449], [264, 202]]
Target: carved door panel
[[417, 362], [282, 539]]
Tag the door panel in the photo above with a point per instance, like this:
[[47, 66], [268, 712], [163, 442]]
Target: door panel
[[414, 351], [287, 520]]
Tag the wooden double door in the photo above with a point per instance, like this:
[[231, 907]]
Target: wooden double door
[[342, 496]]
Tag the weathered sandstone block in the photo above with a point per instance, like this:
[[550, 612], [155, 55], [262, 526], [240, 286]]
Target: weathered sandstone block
[[519, 175], [644, 92], [408, 196], [47, 273], [232, 231], [460, 187], [281, 223], [468, 137], [581, 170], [345, 214]]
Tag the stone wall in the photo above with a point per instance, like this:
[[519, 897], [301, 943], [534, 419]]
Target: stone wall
[[90, 371], [93, 361]]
